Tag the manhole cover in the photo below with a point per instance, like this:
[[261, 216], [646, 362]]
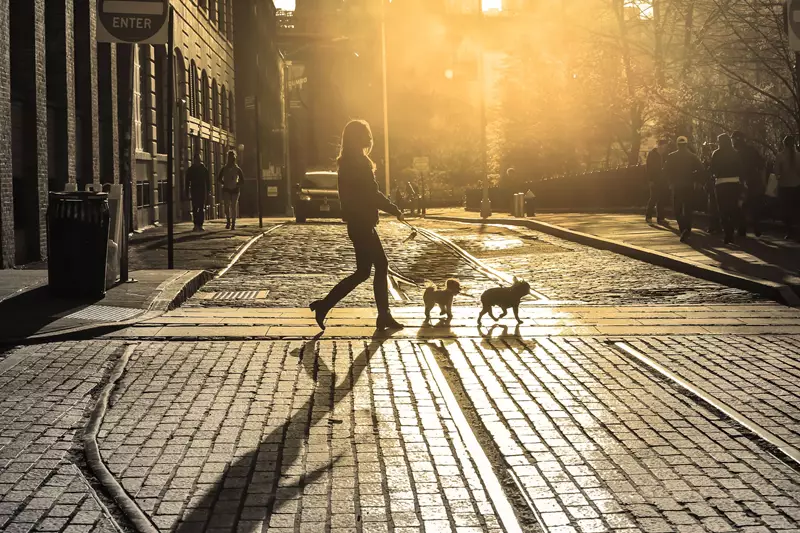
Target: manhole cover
[[235, 295], [105, 313]]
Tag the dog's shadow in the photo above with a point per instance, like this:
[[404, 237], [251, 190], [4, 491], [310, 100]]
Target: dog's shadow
[[250, 487], [489, 338]]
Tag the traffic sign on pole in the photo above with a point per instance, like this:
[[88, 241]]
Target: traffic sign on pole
[[793, 19], [133, 21], [421, 164]]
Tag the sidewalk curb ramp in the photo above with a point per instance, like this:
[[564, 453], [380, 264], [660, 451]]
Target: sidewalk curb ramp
[[169, 295], [769, 289]]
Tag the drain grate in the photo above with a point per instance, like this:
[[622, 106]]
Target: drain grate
[[234, 295], [105, 313]]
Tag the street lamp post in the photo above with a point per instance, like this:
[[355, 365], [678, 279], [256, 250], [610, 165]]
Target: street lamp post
[[384, 68]]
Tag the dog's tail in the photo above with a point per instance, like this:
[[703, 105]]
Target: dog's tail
[[429, 287]]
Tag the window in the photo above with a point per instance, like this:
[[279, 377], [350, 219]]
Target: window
[[162, 191], [224, 99], [143, 196], [193, 89], [204, 98], [223, 17], [231, 114], [161, 75], [214, 104], [138, 104], [212, 10]]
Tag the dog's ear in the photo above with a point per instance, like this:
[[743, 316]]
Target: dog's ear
[[515, 280]]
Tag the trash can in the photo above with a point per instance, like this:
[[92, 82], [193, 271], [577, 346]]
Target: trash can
[[78, 226]]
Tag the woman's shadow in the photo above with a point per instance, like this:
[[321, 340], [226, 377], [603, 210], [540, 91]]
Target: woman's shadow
[[248, 488]]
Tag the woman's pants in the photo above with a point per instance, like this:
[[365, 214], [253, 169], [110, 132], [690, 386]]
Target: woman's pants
[[369, 252], [230, 199]]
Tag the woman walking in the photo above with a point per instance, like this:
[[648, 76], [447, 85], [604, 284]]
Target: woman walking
[[788, 171], [361, 200], [230, 179]]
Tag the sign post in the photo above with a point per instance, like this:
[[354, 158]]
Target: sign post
[[423, 166], [140, 22]]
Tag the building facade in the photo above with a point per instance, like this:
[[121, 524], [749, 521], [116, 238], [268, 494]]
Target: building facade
[[63, 98]]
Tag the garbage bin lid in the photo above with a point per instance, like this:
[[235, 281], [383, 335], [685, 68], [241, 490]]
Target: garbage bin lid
[[78, 195]]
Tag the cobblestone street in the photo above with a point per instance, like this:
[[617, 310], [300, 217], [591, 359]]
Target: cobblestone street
[[299, 263], [632, 398]]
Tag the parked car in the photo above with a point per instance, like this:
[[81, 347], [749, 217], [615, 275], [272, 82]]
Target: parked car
[[317, 196]]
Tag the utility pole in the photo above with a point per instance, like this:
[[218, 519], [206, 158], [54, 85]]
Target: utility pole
[[384, 68], [486, 203]]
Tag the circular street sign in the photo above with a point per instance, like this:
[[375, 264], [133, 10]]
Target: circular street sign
[[132, 20]]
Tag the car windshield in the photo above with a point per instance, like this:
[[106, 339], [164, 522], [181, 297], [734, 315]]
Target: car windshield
[[321, 181]]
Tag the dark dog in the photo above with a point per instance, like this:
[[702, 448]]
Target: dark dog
[[444, 298], [504, 297]]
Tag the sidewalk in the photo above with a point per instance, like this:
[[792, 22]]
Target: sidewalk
[[769, 265], [35, 315], [24, 294]]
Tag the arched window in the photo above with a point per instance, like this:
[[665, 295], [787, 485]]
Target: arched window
[[181, 91], [214, 104], [205, 101], [232, 114], [224, 99], [193, 89], [161, 82], [145, 100]]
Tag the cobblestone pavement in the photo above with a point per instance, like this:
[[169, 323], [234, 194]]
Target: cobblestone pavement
[[757, 376], [299, 263], [44, 394], [563, 270], [600, 445], [286, 435]]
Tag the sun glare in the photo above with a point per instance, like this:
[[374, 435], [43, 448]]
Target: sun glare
[[286, 5], [492, 5]]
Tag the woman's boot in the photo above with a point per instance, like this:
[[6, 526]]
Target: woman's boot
[[320, 311]]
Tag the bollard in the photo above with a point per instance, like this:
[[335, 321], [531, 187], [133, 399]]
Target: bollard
[[486, 204]]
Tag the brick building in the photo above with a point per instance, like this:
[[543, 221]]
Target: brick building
[[63, 97]]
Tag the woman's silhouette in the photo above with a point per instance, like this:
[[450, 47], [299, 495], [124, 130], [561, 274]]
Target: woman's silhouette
[[361, 200]]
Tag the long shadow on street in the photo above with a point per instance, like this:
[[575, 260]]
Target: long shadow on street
[[248, 489]]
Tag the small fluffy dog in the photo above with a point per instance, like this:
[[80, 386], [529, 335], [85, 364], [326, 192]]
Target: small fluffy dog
[[444, 298], [504, 297]]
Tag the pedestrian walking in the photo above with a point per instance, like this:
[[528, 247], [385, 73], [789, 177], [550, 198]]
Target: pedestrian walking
[[659, 187], [788, 172], [230, 179], [754, 179], [726, 169], [714, 224], [198, 189], [683, 171], [360, 200]]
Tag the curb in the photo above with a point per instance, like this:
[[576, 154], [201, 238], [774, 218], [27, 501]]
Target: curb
[[779, 292], [173, 293], [94, 460]]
